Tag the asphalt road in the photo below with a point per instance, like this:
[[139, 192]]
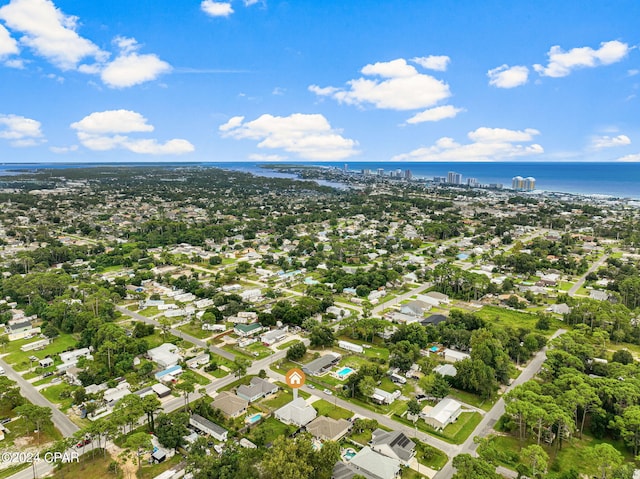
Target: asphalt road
[[180, 334], [491, 417], [574, 289], [61, 421]]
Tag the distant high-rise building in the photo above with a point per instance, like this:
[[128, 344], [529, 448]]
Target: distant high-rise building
[[529, 183], [439, 179], [346, 167], [472, 182], [380, 171], [517, 183], [407, 174], [454, 178]]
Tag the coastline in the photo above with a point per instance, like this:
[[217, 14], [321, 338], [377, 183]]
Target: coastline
[[590, 180]]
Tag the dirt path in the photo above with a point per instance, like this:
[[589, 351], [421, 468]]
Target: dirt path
[[129, 467]]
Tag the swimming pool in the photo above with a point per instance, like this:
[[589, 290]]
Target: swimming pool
[[254, 419], [344, 372], [349, 453]]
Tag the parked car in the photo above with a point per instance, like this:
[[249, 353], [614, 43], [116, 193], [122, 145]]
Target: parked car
[[327, 391], [83, 443]]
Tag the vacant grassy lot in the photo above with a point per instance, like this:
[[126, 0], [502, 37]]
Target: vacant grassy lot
[[270, 429], [572, 455], [325, 408], [515, 319]]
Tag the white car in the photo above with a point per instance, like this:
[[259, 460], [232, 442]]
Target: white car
[[326, 391]]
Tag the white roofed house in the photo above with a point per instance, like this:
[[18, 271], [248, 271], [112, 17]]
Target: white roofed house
[[368, 463], [434, 298], [165, 355], [296, 412], [383, 397], [443, 413], [204, 425], [272, 337]]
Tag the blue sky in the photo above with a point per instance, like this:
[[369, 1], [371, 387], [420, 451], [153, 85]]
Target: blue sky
[[269, 80]]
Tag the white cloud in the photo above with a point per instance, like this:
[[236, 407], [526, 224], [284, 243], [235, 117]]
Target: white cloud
[[505, 76], [396, 86], [600, 142], [15, 63], [49, 32], [248, 3], [107, 130], [488, 144], [112, 121], [131, 68], [435, 114], [20, 131], [633, 72], [8, 45], [433, 62], [562, 63], [278, 91], [307, 136], [630, 158], [216, 9], [60, 150], [491, 135]]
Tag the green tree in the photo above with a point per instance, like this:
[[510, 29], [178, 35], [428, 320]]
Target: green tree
[[170, 429], [535, 458], [629, 425], [606, 458], [414, 407], [139, 442], [289, 459], [150, 404], [322, 336], [36, 416], [366, 386], [468, 467], [296, 352]]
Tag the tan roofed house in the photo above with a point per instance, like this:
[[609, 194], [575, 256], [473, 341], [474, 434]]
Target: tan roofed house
[[328, 429], [230, 404]]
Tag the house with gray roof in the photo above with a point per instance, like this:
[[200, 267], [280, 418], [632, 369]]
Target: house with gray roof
[[393, 444], [321, 365], [204, 425], [256, 389]]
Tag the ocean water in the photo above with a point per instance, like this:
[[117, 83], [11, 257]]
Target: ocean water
[[611, 179]]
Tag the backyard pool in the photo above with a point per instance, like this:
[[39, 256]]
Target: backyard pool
[[348, 454], [254, 419], [344, 372]]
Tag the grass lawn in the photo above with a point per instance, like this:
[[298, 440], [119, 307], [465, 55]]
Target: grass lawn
[[283, 397], [515, 319], [572, 455], [149, 312], [259, 351], [20, 359], [87, 467], [218, 373], [565, 286], [52, 393], [40, 382], [157, 338], [199, 378], [272, 429], [459, 431], [195, 330], [21, 429], [288, 344], [362, 438], [473, 399], [430, 456], [325, 408], [243, 380]]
